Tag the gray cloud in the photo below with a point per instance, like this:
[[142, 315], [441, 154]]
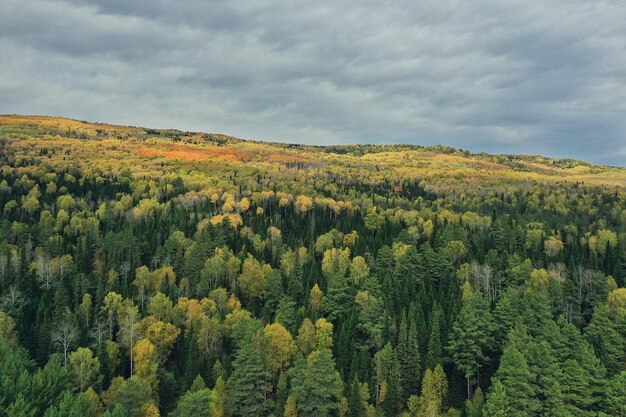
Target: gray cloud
[[541, 77]]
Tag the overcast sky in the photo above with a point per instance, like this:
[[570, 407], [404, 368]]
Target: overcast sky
[[513, 76]]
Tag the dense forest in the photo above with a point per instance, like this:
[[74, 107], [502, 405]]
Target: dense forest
[[150, 272]]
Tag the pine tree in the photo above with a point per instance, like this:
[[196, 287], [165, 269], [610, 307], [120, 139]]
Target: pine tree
[[248, 386], [471, 336], [219, 399], [408, 357], [337, 298], [614, 403], [315, 384], [355, 403], [434, 391], [607, 343], [435, 351], [194, 404], [118, 411], [282, 392], [505, 314], [197, 384], [497, 404], [474, 406], [71, 405], [50, 383], [21, 408], [547, 374], [516, 378]]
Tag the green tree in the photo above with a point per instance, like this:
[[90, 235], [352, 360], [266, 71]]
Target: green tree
[[249, 386], [434, 391], [435, 351], [131, 394], [516, 379], [607, 343], [615, 397], [72, 405], [219, 399], [471, 336], [21, 408], [83, 367], [408, 356], [194, 404], [497, 404], [474, 406], [118, 411], [355, 403], [337, 298], [316, 384]]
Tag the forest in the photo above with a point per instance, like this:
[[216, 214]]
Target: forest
[[149, 272]]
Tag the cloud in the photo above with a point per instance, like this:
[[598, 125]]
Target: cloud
[[517, 76]]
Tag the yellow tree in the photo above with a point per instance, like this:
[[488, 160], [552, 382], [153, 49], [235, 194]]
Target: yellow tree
[[163, 336], [306, 337], [130, 328], [219, 399], [539, 280], [617, 304], [303, 204], [145, 362], [83, 367], [323, 334], [279, 346], [359, 271], [316, 298], [253, 277], [552, 246], [335, 261], [291, 407], [161, 307]]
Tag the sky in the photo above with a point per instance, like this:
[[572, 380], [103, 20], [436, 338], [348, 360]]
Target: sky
[[534, 76]]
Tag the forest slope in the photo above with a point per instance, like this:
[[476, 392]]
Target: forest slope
[[148, 272]]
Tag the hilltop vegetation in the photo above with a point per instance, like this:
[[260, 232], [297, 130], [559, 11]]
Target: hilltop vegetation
[[148, 272]]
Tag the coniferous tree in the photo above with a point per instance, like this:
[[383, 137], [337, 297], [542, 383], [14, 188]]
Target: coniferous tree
[[249, 386], [614, 403], [471, 337], [474, 406], [435, 351], [337, 298], [517, 380], [607, 343], [355, 402], [408, 354], [497, 404], [195, 403], [315, 384]]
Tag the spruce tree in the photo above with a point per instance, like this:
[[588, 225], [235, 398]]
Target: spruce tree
[[474, 406], [408, 357], [337, 298], [434, 353], [355, 403], [497, 404], [471, 335], [194, 404], [316, 384], [614, 403], [607, 343], [249, 386], [517, 380]]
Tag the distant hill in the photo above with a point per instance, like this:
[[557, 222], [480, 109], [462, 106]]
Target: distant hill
[[60, 140]]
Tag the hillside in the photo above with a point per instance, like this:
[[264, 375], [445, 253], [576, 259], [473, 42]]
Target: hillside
[[148, 272], [66, 140]]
